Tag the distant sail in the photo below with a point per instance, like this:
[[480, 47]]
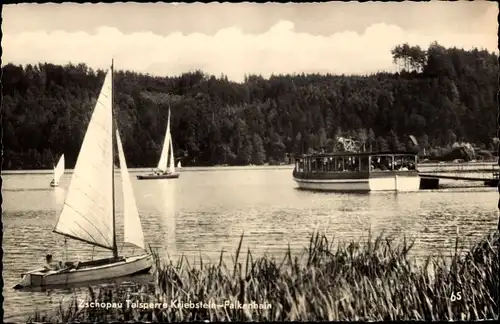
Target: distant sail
[[131, 221], [179, 165], [87, 214], [162, 164], [171, 166], [59, 170]]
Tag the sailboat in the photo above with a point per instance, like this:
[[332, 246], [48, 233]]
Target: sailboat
[[58, 172], [88, 213], [166, 165], [179, 165]]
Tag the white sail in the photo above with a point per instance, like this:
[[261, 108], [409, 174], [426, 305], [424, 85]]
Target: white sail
[[59, 169], [171, 166], [132, 223], [162, 164], [179, 165], [87, 213]]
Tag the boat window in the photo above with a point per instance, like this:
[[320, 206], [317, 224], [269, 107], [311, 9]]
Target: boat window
[[340, 164], [364, 163], [382, 163], [351, 163], [324, 164], [412, 163], [331, 164], [334, 164], [404, 162], [299, 165]]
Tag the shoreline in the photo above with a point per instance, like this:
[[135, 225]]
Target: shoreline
[[491, 164], [184, 169]]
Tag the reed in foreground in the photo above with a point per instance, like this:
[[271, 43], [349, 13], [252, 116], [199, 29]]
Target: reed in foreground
[[372, 281]]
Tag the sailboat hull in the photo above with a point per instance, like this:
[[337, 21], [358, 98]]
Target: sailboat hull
[[161, 176], [102, 269]]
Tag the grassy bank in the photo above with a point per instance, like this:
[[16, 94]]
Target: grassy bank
[[372, 281]]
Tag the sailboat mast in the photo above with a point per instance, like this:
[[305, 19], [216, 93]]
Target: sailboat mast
[[115, 249]]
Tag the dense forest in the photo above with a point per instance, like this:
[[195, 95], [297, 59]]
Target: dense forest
[[440, 96]]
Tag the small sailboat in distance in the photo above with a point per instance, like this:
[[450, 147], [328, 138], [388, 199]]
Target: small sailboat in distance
[[58, 172], [179, 165], [166, 165], [88, 213]]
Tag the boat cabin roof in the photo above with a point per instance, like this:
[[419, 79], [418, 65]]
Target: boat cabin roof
[[341, 154]]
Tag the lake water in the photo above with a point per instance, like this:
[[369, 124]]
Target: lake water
[[204, 212]]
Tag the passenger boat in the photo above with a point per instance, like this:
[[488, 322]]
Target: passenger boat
[[360, 172]]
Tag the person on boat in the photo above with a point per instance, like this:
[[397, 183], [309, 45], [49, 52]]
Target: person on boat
[[50, 264]]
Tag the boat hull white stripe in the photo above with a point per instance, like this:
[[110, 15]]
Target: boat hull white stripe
[[392, 183]]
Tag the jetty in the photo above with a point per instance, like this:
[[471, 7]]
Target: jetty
[[431, 173]]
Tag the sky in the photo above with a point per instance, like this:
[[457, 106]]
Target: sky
[[241, 39]]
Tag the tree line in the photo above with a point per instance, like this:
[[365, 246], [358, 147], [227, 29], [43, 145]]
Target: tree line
[[440, 96]]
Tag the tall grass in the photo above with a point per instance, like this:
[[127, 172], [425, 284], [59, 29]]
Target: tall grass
[[376, 280]]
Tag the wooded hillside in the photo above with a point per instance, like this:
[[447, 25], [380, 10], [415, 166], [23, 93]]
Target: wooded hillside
[[440, 96]]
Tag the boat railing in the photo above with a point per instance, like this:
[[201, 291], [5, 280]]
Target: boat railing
[[356, 163]]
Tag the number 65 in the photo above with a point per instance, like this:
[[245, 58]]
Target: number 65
[[457, 297]]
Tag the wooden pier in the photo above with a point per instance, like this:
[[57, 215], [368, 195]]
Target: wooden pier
[[431, 173]]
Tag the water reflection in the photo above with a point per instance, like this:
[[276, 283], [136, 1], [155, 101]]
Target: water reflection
[[59, 194], [163, 198]]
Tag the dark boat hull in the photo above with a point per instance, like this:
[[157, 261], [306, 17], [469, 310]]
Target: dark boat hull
[[161, 176]]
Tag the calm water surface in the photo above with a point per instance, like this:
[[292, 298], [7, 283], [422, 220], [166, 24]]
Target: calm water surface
[[206, 211]]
